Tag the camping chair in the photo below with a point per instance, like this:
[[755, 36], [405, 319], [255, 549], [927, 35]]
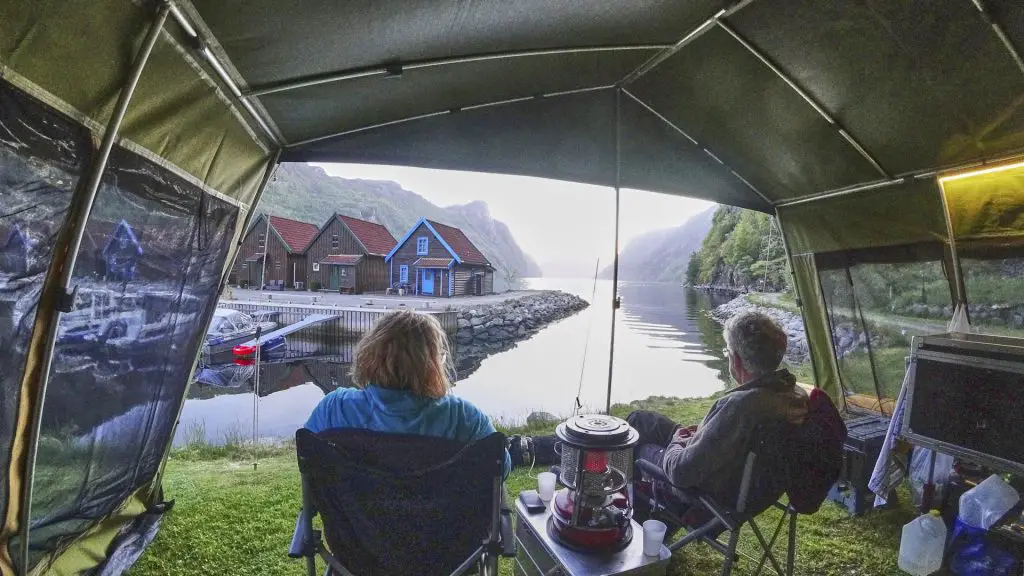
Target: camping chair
[[761, 485], [401, 504]]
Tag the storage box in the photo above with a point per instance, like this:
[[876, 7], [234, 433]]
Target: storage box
[[864, 438]]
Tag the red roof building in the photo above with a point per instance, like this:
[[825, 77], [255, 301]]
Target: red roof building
[[295, 234], [274, 256], [347, 255], [435, 259]]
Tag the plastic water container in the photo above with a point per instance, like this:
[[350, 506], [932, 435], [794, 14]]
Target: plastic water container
[[922, 544], [983, 505]]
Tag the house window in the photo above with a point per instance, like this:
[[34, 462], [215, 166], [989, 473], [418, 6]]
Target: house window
[[277, 266], [344, 271], [244, 265], [403, 274], [262, 241], [334, 241], [316, 266], [421, 246]]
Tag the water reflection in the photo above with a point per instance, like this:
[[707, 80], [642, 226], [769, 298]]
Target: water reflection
[[666, 344]]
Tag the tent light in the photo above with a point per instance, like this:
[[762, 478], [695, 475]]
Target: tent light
[[983, 171]]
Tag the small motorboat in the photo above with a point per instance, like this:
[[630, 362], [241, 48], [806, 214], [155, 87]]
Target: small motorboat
[[230, 328]]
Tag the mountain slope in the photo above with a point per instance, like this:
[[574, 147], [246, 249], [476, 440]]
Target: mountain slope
[[308, 193], [662, 255]]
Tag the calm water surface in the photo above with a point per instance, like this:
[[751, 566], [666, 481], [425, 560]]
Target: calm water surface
[[665, 344]]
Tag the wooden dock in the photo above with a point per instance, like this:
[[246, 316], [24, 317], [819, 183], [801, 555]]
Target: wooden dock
[[345, 323]]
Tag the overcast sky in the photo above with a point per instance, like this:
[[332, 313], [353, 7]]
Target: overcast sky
[[551, 220]]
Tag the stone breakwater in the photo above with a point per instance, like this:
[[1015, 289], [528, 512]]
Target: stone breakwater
[[515, 319], [847, 337], [797, 351]]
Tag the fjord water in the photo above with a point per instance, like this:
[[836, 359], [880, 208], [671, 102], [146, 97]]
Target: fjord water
[[665, 345]]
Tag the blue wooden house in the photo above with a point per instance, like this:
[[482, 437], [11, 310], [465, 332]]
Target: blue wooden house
[[14, 253], [121, 253]]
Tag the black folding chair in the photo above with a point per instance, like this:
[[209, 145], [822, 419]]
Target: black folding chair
[[401, 504], [762, 484]]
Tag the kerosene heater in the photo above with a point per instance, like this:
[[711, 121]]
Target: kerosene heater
[[588, 526], [593, 511]]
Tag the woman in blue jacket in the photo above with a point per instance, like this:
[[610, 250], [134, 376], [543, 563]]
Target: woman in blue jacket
[[401, 368]]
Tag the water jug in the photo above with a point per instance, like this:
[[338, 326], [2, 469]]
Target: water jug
[[922, 544], [986, 503]]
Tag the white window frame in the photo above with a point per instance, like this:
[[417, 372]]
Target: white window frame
[[422, 246], [261, 240], [344, 272], [316, 266], [335, 241], [403, 274]]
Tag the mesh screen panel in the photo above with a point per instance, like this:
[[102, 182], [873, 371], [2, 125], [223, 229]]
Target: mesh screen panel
[[147, 274], [619, 470], [41, 159]]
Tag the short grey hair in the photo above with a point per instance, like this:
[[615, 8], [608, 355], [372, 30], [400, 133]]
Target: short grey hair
[[758, 340]]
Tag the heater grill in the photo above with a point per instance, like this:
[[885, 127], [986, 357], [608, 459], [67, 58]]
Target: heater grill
[[594, 511]]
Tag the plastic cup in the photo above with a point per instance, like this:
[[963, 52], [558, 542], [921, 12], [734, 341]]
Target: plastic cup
[[546, 485], [654, 535]]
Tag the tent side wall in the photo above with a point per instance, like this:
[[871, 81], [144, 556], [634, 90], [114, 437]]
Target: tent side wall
[[184, 169]]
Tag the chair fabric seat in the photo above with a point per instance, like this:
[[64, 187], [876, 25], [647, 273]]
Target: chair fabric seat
[[401, 504]]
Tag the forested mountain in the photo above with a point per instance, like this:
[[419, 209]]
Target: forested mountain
[[736, 251], [662, 255], [308, 193]]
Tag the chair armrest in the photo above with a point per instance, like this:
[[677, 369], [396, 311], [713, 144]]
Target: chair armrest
[[303, 539], [508, 540], [652, 470]]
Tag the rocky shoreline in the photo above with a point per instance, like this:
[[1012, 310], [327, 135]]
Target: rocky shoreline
[[847, 338], [497, 325]]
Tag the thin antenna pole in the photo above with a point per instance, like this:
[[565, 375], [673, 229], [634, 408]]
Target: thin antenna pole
[[256, 401], [615, 261], [768, 253], [266, 248]]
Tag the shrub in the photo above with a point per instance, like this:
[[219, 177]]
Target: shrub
[[314, 286]]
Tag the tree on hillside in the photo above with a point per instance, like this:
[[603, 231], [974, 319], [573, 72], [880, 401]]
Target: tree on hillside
[[511, 275], [693, 269]]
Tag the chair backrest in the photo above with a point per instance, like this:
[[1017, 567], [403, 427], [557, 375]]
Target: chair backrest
[[802, 460], [767, 468], [401, 504]]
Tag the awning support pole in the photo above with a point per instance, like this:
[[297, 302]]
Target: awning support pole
[[672, 125], [398, 68], [803, 94], [998, 29], [615, 260], [65, 299]]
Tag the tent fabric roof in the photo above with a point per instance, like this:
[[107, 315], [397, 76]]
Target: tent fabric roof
[[342, 259], [750, 103], [297, 235], [460, 243], [375, 237]]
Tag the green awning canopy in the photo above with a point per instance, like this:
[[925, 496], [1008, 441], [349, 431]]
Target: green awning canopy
[[837, 115]]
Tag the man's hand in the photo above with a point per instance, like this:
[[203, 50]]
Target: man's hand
[[683, 435]]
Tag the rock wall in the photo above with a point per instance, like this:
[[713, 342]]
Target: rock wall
[[797, 351], [846, 336], [516, 319]]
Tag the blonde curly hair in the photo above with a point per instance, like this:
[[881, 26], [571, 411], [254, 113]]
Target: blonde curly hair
[[404, 350]]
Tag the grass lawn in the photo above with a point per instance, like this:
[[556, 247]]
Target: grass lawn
[[232, 519]]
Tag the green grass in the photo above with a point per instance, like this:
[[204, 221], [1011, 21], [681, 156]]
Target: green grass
[[230, 518]]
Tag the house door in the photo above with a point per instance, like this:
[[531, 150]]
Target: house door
[[478, 285], [255, 274], [335, 278], [428, 282]]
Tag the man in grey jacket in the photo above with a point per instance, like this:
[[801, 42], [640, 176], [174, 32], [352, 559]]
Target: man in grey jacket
[[711, 456]]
